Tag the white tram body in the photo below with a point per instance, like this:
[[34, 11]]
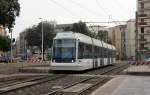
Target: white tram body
[[78, 52]]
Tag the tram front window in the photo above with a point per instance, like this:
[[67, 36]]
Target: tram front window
[[64, 50]]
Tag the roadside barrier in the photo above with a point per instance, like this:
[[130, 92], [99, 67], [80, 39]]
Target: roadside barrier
[[136, 63], [34, 60]]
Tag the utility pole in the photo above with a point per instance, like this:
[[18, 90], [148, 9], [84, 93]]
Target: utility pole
[[136, 37], [42, 39], [11, 47]]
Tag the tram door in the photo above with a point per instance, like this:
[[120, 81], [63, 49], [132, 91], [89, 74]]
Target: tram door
[[95, 62], [95, 58], [108, 56], [102, 61]]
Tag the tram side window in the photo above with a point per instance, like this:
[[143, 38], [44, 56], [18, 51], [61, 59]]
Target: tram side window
[[84, 51], [110, 53], [96, 51], [99, 49], [114, 54], [88, 49], [80, 50], [102, 52], [105, 53]]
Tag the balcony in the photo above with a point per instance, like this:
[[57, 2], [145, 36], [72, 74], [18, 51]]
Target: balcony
[[144, 34], [140, 0], [142, 15], [144, 51], [143, 48], [148, 42], [144, 1], [144, 40], [147, 8], [143, 24]]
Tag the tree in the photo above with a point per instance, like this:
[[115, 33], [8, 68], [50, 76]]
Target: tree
[[9, 10], [102, 35], [81, 28], [34, 37], [4, 43]]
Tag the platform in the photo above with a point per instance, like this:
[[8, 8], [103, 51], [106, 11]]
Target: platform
[[131, 85]]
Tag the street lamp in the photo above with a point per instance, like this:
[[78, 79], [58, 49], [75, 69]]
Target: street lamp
[[11, 52], [42, 38]]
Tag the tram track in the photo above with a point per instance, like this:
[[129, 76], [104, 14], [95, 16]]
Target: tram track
[[58, 90], [115, 70], [20, 80], [56, 83], [109, 70], [93, 83], [27, 83]]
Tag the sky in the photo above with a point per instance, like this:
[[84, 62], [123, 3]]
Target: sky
[[70, 11]]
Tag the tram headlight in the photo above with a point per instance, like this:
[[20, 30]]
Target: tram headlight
[[72, 61]]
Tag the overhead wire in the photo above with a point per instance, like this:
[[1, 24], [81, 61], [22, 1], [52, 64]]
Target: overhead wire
[[121, 8], [67, 10], [86, 9], [93, 12], [109, 15], [90, 11]]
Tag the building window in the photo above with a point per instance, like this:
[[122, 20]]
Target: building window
[[142, 5], [142, 37], [142, 29], [142, 45]]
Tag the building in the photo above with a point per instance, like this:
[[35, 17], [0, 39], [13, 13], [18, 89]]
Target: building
[[96, 28], [130, 39], [21, 45], [117, 35], [143, 29]]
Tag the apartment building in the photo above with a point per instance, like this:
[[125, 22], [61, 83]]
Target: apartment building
[[130, 39], [117, 35], [143, 29]]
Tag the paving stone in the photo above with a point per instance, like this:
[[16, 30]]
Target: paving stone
[[129, 85]]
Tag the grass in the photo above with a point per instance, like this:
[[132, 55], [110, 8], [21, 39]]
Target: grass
[[21, 64], [12, 68]]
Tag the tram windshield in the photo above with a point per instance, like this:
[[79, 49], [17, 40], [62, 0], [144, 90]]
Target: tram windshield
[[64, 50]]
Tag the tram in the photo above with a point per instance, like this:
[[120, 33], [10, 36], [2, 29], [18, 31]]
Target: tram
[[78, 52]]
